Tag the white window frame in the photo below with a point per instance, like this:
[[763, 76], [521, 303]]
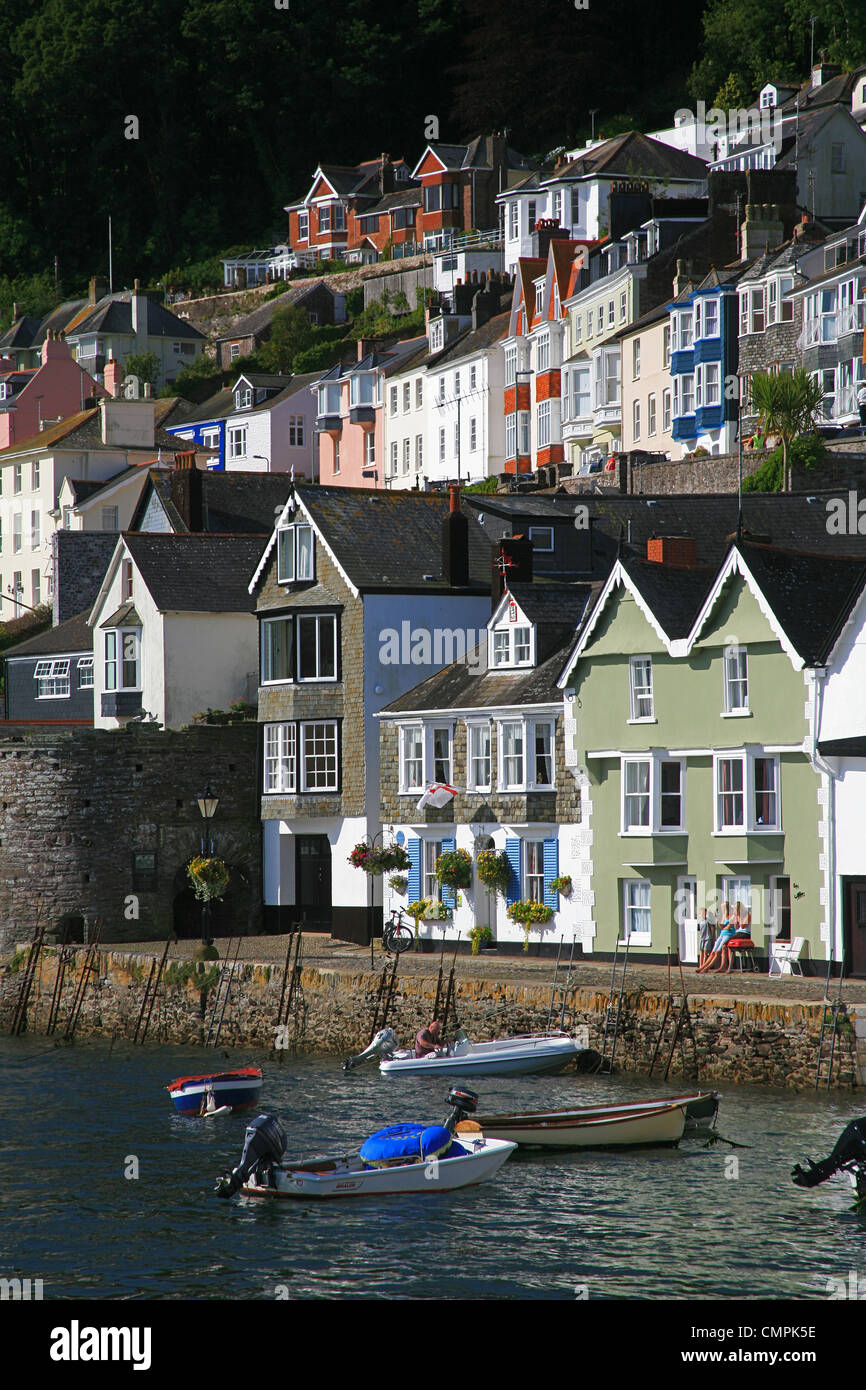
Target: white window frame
[[333, 735], [52, 679], [735, 705], [417, 745], [85, 670], [266, 655], [542, 533], [476, 758], [127, 651], [639, 691], [237, 442], [632, 889], [747, 759], [320, 620], [527, 755], [292, 544], [411, 754], [280, 759], [514, 651]]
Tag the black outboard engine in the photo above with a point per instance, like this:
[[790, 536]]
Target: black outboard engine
[[464, 1102], [848, 1152], [264, 1145]]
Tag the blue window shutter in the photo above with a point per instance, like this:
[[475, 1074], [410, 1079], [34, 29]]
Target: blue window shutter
[[449, 896], [551, 871], [512, 850], [413, 847]]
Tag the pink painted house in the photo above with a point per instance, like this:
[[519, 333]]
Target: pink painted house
[[350, 420], [33, 397]]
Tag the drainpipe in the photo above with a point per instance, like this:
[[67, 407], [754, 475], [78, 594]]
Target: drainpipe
[[820, 765]]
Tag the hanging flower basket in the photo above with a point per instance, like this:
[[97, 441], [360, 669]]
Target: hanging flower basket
[[381, 860], [454, 868], [399, 882], [419, 909], [209, 878], [493, 869], [562, 885], [529, 914]]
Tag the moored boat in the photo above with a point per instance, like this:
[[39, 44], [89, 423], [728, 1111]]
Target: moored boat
[[632, 1124], [401, 1158], [217, 1091], [518, 1056]]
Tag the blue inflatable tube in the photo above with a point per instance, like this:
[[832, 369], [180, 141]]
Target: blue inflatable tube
[[408, 1143]]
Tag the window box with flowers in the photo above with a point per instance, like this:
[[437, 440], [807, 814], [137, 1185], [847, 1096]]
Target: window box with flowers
[[529, 914]]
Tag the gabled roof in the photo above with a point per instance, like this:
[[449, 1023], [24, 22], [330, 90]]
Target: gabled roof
[[20, 334], [387, 542], [73, 636], [633, 155], [232, 503], [262, 317], [474, 339], [196, 573], [470, 684], [811, 124], [113, 314], [84, 431]]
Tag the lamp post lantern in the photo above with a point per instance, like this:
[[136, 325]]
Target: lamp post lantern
[[207, 805]]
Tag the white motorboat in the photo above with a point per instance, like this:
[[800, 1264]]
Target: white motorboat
[[632, 1124], [518, 1056], [401, 1158]]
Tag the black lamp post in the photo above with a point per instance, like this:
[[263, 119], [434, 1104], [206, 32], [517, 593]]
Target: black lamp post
[[207, 805]]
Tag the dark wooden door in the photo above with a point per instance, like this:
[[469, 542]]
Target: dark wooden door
[[313, 879], [855, 944]]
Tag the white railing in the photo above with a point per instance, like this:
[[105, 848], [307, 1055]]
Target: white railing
[[476, 241], [850, 319]]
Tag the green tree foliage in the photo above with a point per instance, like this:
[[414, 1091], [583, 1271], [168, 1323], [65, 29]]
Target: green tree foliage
[[34, 294], [805, 452], [787, 404], [291, 333], [144, 365]]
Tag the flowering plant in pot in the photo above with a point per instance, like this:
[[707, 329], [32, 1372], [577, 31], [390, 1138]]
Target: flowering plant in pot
[[419, 909], [454, 868], [562, 885], [493, 869], [209, 877], [399, 882], [529, 914], [380, 860], [480, 936]]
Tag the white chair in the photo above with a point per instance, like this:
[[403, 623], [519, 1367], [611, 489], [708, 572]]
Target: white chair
[[786, 956]]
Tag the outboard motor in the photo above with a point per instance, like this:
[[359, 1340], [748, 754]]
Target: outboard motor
[[849, 1152], [264, 1145], [465, 1103], [383, 1044]]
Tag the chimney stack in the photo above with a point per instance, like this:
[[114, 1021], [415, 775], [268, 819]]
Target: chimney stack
[[682, 280], [186, 489], [98, 289], [455, 542], [678, 552], [113, 376], [512, 564]]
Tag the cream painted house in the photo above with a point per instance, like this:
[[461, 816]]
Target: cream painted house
[[646, 384], [174, 631]]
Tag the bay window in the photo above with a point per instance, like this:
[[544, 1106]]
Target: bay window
[[123, 659], [319, 758], [277, 650], [280, 758], [317, 647], [653, 797], [747, 793]]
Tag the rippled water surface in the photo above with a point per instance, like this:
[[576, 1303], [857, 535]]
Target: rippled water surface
[[646, 1224]]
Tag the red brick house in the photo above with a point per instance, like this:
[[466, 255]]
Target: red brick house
[[351, 212], [460, 184]]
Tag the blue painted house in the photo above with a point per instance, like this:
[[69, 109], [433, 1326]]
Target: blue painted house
[[703, 331]]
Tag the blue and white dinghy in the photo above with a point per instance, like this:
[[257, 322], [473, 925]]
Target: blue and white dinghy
[[402, 1158]]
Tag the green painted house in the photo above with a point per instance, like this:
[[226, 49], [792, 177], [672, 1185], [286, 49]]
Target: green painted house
[[690, 714]]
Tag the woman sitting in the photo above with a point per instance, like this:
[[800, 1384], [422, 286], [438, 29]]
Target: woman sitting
[[705, 940], [720, 949], [742, 935]]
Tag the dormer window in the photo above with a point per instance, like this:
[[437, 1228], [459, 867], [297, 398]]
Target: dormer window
[[512, 645], [295, 556], [437, 336]]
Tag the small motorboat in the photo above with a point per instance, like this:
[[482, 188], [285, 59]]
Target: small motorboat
[[216, 1092], [401, 1158], [628, 1125], [519, 1056]]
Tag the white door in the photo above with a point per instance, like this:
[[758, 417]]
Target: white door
[[686, 914]]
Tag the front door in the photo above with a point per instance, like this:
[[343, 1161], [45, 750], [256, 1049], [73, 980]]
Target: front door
[[855, 928], [313, 879]]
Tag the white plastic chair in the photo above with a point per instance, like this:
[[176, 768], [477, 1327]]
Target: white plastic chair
[[786, 956]]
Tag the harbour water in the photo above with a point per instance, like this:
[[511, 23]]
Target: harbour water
[[664, 1224]]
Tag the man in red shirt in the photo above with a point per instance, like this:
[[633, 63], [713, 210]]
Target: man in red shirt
[[428, 1039]]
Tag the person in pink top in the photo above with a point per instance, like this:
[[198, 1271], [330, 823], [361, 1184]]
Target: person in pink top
[[428, 1039]]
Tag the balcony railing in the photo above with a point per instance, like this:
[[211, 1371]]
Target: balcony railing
[[477, 241], [851, 319]]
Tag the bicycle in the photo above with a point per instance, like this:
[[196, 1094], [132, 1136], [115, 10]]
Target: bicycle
[[397, 935]]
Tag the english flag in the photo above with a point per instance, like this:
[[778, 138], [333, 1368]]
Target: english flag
[[438, 795]]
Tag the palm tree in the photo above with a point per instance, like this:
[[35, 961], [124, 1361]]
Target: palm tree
[[787, 403]]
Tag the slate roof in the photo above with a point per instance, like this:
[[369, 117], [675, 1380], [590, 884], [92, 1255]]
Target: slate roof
[[388, 541], [410, 197], [633, 155], [469, 685], [232, 503], [72, 636], [113, 314], [197, 573], [474, 339], [674, 595], [21, 333], [854, 747], [811, 595]]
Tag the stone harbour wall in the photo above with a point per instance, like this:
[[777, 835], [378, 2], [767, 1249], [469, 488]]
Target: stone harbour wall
[[750, 1041]]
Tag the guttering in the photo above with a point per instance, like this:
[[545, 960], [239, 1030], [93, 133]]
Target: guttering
[[817, 677]]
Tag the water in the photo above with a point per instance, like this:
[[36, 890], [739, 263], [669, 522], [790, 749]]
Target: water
[[663, 1224]]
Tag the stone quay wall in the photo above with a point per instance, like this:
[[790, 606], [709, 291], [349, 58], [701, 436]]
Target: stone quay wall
[[751, 1041], [99, 824], [719, 473]]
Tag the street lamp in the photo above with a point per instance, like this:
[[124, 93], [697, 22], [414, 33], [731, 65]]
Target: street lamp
[[207, 805]]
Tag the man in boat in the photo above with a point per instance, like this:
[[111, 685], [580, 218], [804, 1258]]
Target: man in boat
[[849, 1151], [428, 1039]]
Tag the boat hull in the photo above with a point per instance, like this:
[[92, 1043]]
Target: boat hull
[[235, 1090], [503, 1057], [349, 1178], [659, 1127]]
